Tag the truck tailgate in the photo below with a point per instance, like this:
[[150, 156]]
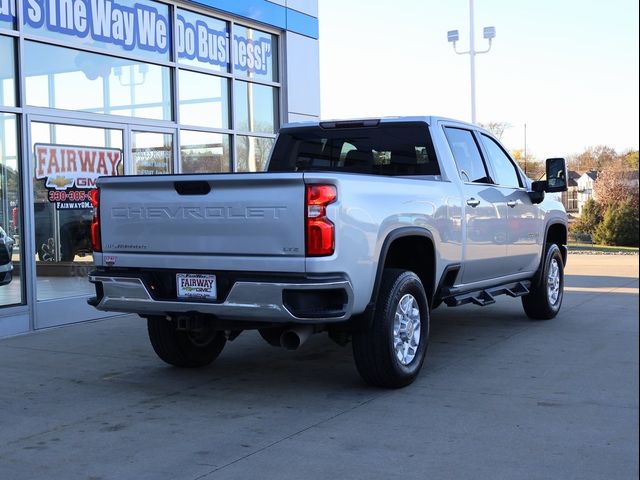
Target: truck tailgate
[[253, 214]]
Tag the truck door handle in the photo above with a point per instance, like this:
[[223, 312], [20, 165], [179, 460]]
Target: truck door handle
[[512, 204], [472, 202]]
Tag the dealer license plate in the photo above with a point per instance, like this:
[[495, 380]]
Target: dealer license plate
[[192, 285]]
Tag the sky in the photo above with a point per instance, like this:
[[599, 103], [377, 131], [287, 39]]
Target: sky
[[568, 69]]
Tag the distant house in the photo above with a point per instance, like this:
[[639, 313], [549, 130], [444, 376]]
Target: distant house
[[587, 181], [570, 197], [585, 188], [631, 178]]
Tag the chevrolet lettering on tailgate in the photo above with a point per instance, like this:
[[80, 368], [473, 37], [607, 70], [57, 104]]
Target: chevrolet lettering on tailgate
[[198, 213]]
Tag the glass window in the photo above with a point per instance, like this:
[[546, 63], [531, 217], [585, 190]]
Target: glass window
[[252, 153], [204, 100], [202, 41], [139, 26], [387, 149], [204, 152], [255, 107], [151, 153], [466, 155], [68, 159], [7, 72], [503, 168], [255, 54], [68, 79], [11, 276], [7, 14]]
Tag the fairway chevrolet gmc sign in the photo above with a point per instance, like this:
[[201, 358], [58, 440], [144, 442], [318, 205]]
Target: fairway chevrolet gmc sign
[[69, 172]]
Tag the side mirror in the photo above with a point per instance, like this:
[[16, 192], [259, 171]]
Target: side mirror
[[556, 180], [556, 175]]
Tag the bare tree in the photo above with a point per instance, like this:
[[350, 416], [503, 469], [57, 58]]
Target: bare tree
[[616, 183], [593, 158], [531, 167], [496, 128]]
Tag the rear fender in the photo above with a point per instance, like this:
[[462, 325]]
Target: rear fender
[[428, 279]]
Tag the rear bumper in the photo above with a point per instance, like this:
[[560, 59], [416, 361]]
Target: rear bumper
[[322, 299]]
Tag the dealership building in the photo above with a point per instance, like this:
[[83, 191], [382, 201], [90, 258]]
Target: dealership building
[[130, 87]]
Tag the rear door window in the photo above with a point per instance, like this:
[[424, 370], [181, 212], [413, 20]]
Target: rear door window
[[398, 149], [467, 156]]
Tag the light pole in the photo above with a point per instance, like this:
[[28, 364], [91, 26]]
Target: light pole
[[525, 148], [488, 33]]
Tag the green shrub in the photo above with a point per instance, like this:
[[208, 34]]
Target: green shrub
[[619, 226], [577, 234], [590, 217]]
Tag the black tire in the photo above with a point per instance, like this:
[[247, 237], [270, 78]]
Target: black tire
[[373, 347], [539, 304], [183, 349]]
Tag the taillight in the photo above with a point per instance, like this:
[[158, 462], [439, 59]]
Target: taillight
[[96, 241], [320, 230]]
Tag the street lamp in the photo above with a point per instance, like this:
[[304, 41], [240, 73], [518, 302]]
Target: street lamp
[[489, 33]]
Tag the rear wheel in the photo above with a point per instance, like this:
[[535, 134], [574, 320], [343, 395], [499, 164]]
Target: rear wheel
[[390, 352], [545, 298], [181, 348]]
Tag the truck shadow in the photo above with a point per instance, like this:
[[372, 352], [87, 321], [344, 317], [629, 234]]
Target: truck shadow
[[320, 366]]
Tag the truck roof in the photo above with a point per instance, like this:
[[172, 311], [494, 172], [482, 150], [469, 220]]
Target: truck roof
[[371, 121]]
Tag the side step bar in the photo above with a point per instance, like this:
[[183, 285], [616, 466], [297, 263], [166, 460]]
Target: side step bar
[[486, 296]]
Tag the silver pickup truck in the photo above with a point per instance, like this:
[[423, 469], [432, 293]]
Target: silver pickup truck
[[357, 228]]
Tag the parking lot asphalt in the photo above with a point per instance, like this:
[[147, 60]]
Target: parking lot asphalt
[[500, 397]]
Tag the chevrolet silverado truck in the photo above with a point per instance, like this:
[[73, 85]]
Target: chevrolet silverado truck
[[356, 228]]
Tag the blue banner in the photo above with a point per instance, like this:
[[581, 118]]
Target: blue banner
[[143, 27], [197, 41], [7, 10], [259, 10], [140, 26]]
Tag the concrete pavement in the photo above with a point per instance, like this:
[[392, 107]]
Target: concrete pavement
[[500, 397]]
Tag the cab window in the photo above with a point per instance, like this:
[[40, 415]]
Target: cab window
[[467, 156], [503, 168]]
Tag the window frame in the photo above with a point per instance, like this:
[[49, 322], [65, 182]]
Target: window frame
[[190, 130], [489, 163], [476, 140], [12, 66]]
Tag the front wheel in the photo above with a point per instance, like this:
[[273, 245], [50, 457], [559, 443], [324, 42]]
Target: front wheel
[[182, 348], [545, 298], [389, 353]]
